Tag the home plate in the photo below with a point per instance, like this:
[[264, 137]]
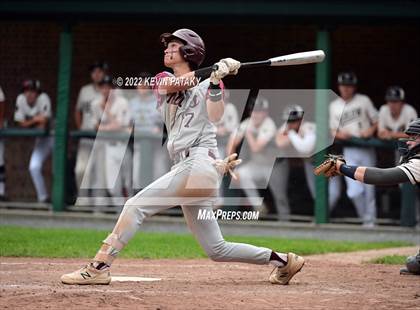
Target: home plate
[[134, 279]]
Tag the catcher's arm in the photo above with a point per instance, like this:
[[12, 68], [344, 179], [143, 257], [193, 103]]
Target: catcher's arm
[[335, 165], [372, 175]]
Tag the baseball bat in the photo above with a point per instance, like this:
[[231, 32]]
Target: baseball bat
[[286, 60]]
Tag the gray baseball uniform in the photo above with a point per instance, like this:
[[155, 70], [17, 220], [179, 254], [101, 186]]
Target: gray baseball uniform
[[192, 182]]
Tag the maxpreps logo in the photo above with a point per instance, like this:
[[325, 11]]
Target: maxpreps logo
[[207, 214]]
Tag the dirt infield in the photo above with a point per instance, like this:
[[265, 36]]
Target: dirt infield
[[334, 281]]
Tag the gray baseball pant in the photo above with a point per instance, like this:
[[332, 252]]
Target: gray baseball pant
[[192, 183]]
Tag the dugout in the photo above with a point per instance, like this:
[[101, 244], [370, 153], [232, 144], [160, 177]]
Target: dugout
[[56, 41]]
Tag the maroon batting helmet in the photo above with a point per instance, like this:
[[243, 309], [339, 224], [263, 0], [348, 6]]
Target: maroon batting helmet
[[193, 50]]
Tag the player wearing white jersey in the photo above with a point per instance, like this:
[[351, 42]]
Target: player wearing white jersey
[[300, 135], [228, 124], [111, 114], [88, 173], [190, 106], [395, 115], [33, 110], [258, 133], [354, 115], [147, 120]]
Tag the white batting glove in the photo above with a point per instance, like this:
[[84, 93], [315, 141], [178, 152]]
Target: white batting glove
[[232, 64], [220, 73]]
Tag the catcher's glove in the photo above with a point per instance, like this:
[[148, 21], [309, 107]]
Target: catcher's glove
[[328, 167], [227, 165]]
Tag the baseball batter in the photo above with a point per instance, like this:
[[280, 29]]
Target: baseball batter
[[190, 104]]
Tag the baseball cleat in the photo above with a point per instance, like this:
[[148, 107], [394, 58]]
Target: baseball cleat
[[282, 275], [87, 275]]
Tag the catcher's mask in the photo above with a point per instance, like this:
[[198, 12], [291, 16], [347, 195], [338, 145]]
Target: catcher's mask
[[405, 152], [413, 131]]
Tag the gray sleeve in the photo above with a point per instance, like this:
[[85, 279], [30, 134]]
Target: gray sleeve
[[387, 176]]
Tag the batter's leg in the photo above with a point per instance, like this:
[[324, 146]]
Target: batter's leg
[[166, 192], [208, 234]]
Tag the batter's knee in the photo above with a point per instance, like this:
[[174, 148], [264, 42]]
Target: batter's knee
[[217, 252], [132, 208]]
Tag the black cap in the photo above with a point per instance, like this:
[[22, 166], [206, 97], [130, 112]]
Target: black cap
[[394, 93], [107, 80], [293, 113], [413, 128], [347, 78], [99, 65], [30, 84]]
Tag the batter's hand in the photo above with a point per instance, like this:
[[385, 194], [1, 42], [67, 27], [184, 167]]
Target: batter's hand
[[232, 64], [218, 74], [227, 165]]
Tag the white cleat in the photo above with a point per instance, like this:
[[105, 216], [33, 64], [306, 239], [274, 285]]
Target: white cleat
[[87, 275], [282, 275]]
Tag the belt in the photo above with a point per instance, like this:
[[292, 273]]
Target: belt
[[192, 151]]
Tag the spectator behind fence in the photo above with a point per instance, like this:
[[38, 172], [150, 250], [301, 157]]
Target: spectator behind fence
[[354, 115], [395, 115], [2, 168], [112, 115], [33, 110], [147, 120], [257, 132], [85, 170]]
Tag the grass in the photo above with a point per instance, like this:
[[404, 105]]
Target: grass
[[83, 243], [390, 260]]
